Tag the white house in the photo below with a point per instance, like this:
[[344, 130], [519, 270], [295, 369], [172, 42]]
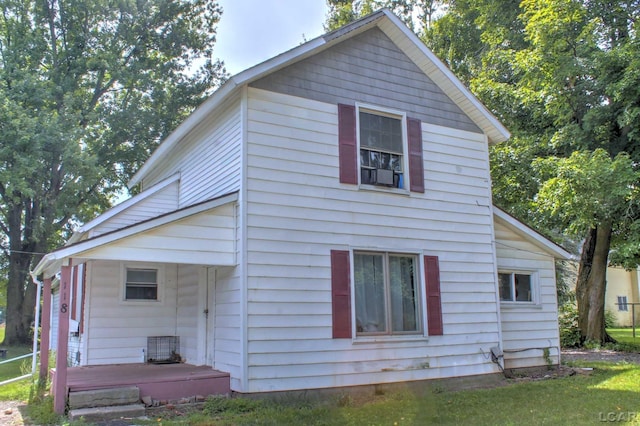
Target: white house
[[323, 220]]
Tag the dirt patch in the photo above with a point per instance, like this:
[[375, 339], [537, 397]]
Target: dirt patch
[[11, 413], [569, 355]]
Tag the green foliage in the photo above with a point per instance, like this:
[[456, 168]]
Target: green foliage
[[221, 404], [417, 14], [609, 319], [40, 411], [87, 89], [568, 324]]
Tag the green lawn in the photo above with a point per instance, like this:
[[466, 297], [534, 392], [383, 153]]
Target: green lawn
[[625, 337], [17, 390], [609, 393]]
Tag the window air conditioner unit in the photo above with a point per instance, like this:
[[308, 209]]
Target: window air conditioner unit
[[384, 177]]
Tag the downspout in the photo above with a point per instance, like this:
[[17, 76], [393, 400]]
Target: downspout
[[38, 283]]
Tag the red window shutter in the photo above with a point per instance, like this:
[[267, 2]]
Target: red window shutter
[[341, 294], [416, 167], [434, 304], [347, 144]]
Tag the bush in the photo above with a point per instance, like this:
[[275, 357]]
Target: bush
[[609, 319], [568, 323]]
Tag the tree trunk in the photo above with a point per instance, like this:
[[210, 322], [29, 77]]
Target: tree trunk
[[591, 284], [20, 291]]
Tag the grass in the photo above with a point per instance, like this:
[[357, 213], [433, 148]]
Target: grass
[[624, 336], [609, 393], [18, 390]]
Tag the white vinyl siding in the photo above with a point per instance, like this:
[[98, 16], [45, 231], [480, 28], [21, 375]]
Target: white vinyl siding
[[208, 158], [227, 338], [206, 238], [297, 211], [187, 312], [528, 328], [55, 318], [119, 329]]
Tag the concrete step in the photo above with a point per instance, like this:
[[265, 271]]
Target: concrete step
[[97, 414], [104, 397]]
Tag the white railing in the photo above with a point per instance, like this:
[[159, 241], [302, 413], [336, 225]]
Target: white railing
[[15, 379]]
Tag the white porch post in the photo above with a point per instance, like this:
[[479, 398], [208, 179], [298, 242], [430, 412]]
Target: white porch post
[[46, 326], [60, 379]]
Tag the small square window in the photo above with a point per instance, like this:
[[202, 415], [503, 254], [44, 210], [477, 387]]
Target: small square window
[[515, 287], [381, 150], [141, 284], [387, 294]]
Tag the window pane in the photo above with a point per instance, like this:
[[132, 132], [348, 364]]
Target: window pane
[[142, 284], [142, 276], [369, 293], [380, 132], [523, 287], [404, 297], [141, 292], [505, 287], [622, 303]]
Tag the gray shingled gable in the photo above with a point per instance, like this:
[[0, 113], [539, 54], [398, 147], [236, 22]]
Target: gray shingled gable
[[368, 68]]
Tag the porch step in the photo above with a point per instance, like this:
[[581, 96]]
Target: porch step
[[97, 414], [120, 396]]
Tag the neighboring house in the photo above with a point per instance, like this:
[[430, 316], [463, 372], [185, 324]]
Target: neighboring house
[[621, 295], [323, 220]]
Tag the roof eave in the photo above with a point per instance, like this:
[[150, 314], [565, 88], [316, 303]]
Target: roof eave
[[534, 236]]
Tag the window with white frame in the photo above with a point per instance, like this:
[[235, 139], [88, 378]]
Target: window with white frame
[[382, 149], [516, 286], [387, 293], [141, 284], [622, 303]]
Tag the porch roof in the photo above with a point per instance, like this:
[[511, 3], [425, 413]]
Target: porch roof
[[532, 235], [202, 234]]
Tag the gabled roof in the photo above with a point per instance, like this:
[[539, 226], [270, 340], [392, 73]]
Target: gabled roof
[[532, 235], [54, 258], [394, 28], [82, 232]]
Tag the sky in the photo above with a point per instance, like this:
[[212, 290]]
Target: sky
[[252, 31]]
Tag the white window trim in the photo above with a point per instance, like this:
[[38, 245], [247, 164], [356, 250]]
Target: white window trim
[[392, 113], [123, 283], [420, 335], [535, 288]]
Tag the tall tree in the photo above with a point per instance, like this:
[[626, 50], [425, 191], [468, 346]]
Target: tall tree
[[87, 89], [417, 14]]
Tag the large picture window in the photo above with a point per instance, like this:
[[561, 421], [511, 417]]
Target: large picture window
[[141, 284], [386, 293], [516, 287], [381, 149]]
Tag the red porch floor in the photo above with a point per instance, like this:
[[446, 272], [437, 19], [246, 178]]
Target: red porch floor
[[162, 381]]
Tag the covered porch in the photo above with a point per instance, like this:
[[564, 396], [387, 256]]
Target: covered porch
[[163, 276]]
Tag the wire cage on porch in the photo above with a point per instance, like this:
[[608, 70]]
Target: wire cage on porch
[[163, 350]]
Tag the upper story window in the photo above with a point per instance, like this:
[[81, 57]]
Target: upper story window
[[381, 150], [387, 293], [380, 147], [516, 286], [141, 284]]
